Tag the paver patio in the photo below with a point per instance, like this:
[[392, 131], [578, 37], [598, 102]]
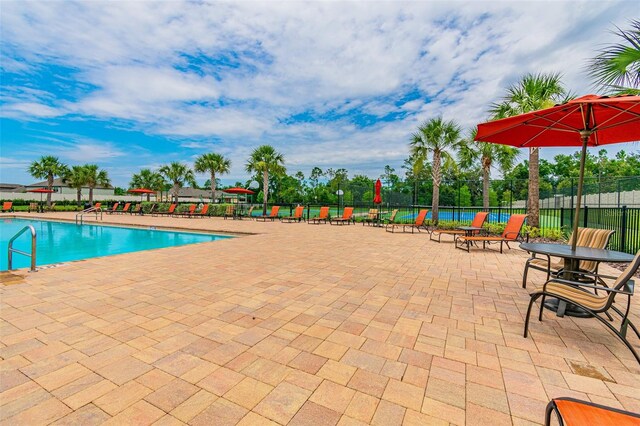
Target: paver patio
[[295, 324]]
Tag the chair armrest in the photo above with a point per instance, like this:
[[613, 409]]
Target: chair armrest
[[628, 286], [591, 274]]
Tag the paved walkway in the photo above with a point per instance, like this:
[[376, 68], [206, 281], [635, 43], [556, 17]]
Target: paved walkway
[[295, 324]]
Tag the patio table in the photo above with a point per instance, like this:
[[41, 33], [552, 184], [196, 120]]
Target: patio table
[[572, 260], [470, 230]]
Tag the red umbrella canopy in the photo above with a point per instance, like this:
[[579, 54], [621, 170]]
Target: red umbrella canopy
[[605, 120], [378, 198], [590, 120], [141, 191], [238, 191], [41, 190]]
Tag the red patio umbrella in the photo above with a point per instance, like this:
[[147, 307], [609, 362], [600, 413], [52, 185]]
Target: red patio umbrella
[[590, 120], [238, 191], [377, 199], [142, 191], [41, 191]]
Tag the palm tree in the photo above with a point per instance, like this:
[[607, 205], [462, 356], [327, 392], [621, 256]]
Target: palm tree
[[48, 167], [212, 163], [95, 177], [531, 93], [438, 137], [488, 154], [147, 179], [266, 160], [177, 173], [76, 178], [617, 67]]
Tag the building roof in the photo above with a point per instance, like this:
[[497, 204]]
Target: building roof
[[11, 187], [59, 182]]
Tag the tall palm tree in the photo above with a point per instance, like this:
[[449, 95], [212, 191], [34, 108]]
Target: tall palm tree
[[76, 178], [147, 179], [437, 137], [212, 163], [48, 167], [531, 93], [95, 177], [488, 154], [177, 173], [266, 160], [617, 67]]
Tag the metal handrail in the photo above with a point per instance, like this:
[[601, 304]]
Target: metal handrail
[[95, 210], [33, 248]]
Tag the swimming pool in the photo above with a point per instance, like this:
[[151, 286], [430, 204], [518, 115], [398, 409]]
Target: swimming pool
[[63, 241]]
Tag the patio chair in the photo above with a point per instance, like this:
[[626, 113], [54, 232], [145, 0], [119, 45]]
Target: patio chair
[[97, 207], [577, 292], [322, 217], [297, 216], [587, 237], [33, 207], [248, 214], [188, 213], [417, 225], [113, 209], [50, 208], [137, 209], [347, 217], [478, 220], [391, 219], [571, 411], [229, 211], [170, 212], [511, 233], [273, 214], [7, 206], [124, 210], [202, 213], [372, 217]]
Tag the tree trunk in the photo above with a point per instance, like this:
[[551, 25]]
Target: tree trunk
[[436, 186], [176, 190], [534, 188], [79, 195], [485, 186], [265, 191], [213, 187], [49, 187], [148, 198], [91, 195]]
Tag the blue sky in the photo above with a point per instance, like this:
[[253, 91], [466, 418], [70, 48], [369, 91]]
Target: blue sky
[[129, 85]]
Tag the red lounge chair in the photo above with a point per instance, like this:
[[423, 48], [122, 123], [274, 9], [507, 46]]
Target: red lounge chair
[[273, 215], [7, 206], [188, 213], [322, 217], [479, 219], [571, 411], [418, 224], [170, 212], [511, 233], [97, 206], [113, 209], [125, 209], [347, 217], [203, 211], [138, 209], [297, 216]]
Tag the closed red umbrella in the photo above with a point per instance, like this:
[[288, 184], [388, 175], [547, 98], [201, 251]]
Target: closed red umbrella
[[377, 199], [590, 120]]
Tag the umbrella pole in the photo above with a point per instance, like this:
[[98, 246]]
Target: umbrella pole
[[585, 138]]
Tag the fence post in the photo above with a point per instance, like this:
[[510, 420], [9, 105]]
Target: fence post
[[561, 217], [618, 193], [586, 214], [623, 230], [571, 196], [499, 214]]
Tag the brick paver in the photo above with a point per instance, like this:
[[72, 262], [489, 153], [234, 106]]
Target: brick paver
[[295, 324]]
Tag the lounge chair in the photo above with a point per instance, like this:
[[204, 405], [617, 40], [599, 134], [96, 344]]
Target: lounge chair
[[372, 218], [273, 214], [511, 233], [587, 237], [417, 225], [50, 208], [249, 213], [125, 209], [202, 213], [297, 216], [188, 213], [7, 206], [33, 207], [391, 220], [170, 212], [347, 217], [113, 209], [478, 220], [571, 411], [137, 209], [577, 292], [97, 207], [230, 211], [322, 217]]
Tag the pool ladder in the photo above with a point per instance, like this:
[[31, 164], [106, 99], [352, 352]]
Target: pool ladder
[[33, 248], [97, 211]]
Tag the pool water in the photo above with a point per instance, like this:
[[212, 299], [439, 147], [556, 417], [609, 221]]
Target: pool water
[[63, 241]]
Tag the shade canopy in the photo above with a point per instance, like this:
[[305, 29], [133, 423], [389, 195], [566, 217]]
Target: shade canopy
[[41, 191], [238, 191], [141, 191], [606, 120], [590, 120], [377, 199]]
